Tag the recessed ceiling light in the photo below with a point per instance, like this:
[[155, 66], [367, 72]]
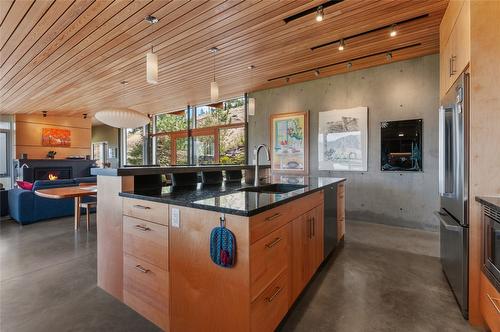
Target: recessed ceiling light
[[151, 19], [251, 67], [124, 82], [320, 14]]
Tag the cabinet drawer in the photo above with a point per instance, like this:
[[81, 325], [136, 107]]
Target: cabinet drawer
[[146, 210], [270, 220], [268, 258], [146, 240], [270, 307], [489, 304], [145, 289]]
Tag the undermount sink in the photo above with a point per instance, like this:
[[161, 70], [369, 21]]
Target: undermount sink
[[276, 188]]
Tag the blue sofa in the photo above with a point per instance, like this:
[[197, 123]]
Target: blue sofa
[[27, 208]]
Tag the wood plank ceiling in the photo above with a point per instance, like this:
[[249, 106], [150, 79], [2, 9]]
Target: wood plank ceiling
[[69, 57]]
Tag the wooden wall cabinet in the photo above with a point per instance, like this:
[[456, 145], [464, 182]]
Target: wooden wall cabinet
[[454, 43]]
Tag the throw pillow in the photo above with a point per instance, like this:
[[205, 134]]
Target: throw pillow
[[25, 185]]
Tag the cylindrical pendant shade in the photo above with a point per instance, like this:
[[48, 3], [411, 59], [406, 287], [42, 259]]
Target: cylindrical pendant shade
[[152, 68], [122, 118], [214, 92], [251, 106]]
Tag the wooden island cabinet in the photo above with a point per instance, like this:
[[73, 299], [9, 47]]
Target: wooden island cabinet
[[169, 277], [154, 248]]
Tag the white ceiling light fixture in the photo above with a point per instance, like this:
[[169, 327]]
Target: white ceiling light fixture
[[320, 14], [214, 87], [122, 118], [341, 45], [152, 67], [251, 101]]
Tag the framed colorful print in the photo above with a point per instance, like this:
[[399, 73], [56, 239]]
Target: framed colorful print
[[290, 143], [343, 140], [56, 137]]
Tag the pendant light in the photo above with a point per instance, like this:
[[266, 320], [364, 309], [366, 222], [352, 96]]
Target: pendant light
[[214, 88], [122, 118], [152, 67], [251, 101]]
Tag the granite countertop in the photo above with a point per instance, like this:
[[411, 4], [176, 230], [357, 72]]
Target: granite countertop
[[226, 198], [141, 170], [491, 201]]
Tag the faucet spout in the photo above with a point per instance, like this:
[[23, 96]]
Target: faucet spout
[[256, 152]]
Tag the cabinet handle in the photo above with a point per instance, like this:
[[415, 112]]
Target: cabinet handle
[[309, 220], [313, 222], [274, 216], [142, 207], [492, 300], [452, 67], [142, 228], [140, 268], [272, 297], [273, 242]]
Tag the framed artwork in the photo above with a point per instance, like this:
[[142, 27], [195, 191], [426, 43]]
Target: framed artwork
[[343, 140], [290, 143], [401, 149], [56, 137]]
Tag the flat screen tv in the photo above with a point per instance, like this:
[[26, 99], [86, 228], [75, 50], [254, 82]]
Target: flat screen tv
[[401, 146]]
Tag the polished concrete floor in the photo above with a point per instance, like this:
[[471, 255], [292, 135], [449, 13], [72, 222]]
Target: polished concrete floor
[[383, 279]]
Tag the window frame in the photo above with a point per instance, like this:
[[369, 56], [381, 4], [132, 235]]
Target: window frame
[[7, 133]]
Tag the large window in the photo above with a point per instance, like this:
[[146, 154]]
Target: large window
[[211, 134], [134, 146]]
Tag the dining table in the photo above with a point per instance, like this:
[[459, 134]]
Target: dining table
[[76, 192]]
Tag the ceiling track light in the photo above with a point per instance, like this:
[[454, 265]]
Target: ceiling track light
[[151, 19], [349, 65], [364, 33], [84, 115], [288, 75], [214, 87], [316, 73], [124, 82], [311, 10], [44, 114], [319, 14], [341, 45], [393, 31], [388, 56]]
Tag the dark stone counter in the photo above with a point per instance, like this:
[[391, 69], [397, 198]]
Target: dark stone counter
[[132, 171], [226, 198]]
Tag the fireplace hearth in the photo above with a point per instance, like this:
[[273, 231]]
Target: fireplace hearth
[[31, 170], [52, 173]]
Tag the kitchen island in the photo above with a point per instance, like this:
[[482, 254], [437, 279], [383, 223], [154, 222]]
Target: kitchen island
[[163, 245]]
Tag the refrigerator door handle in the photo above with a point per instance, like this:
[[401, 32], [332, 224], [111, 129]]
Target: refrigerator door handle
[[441, 151], [447, 221]]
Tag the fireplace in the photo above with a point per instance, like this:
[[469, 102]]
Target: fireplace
[[52, 173]]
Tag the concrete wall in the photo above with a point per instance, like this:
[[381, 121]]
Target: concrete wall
[[401, 90]]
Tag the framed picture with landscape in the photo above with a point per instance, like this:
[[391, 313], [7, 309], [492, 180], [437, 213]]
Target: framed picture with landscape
[[290, 143], [343, 139]]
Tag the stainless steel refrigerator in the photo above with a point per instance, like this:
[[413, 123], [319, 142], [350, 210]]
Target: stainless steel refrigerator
[[454, 189]]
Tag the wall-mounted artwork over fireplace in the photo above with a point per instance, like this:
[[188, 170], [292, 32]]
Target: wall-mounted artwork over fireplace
[[56, 137]]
